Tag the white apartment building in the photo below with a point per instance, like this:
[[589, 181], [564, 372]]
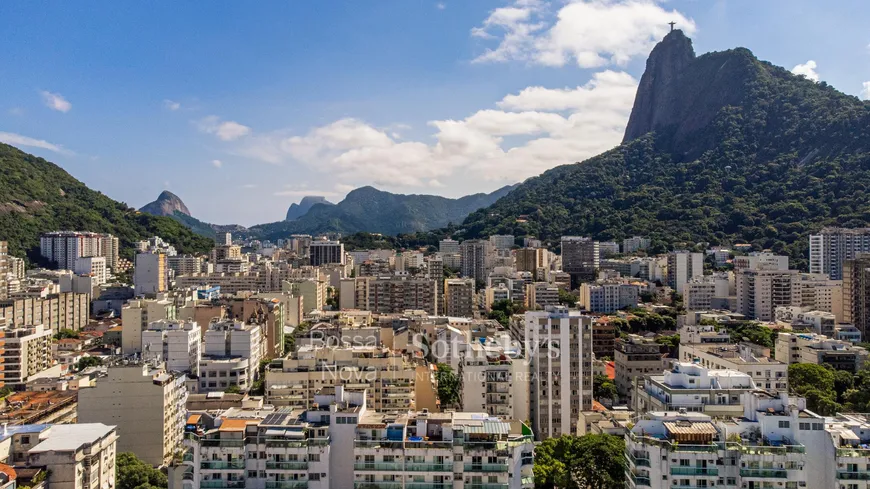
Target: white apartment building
[[634, 357], [683, 266], [137, 315], [231, 355], [767, 372], [761, 260], [151, 274], [691, 387], [608, 297], [177, 343], [608, 248], [185, 264], [64, 247], [760, 291], [448, 246], [540, 295], [558, 343], [27, 353], [502, 241], [388, 375], [820, 350], [312, 291], [73, 456], [775, 443], [95, 266], [818, 293], [832, 246], [635, 243], [146, 404], [495, 379], [340, 443]]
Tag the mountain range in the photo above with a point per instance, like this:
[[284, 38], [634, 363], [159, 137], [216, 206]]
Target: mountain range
[[38, 196], [298, 210], [719, 148]]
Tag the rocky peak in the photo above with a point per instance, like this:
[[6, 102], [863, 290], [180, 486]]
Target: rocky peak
[[166, 204], [298, 210]]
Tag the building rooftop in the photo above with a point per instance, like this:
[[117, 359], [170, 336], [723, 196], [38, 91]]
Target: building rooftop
[[71, 437]]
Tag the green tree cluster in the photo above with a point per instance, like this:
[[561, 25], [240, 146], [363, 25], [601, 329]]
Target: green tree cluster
[[65, 333], [580, 462], [753, 332], [448, 385], [567, 298], [133, 473], [502, 311], [87, 362], [603, 388]]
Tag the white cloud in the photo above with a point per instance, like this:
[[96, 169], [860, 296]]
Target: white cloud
[[19, 140], [55, 101], [217, 163], [537, 129], [865, 91], [224, 130], [440, 5], [302, 190], [249, 185], [171, 105], [807, 69], [590, 33]]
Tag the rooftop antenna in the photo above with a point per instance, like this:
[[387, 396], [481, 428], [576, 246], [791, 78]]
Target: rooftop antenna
[[672, 24]]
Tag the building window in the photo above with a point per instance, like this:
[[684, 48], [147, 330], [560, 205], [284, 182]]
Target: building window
[[783, 424]]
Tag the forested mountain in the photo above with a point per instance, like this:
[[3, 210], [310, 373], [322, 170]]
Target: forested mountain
[[720, 148], [298, 210], [38, 196], [167, 204], [368, 209]]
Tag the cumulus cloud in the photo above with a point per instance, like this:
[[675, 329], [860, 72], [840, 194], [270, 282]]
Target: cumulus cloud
[[217, 163], [55, 101], [19, 140], [224, 130], [529, 132], [865, 91], [440, 5], [807, 69], [590, 33], [302, 190], [171, 105]]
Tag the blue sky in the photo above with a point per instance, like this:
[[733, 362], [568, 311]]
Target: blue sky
[[241, 108]]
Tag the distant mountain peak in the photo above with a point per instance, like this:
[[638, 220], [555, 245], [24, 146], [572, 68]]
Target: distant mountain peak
[[167, 204], [298, 210]]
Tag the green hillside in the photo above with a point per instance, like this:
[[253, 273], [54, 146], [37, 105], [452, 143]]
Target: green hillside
[[720, 148], [38, 196]]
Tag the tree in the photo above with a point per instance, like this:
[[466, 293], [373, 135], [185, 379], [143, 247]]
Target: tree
[[843, 382], [233, 389], [133, 473], [580, 462], [448, 385], [502, 311], [87, 362], [566, 298], [603, 388], [65, 333], [816, 384]]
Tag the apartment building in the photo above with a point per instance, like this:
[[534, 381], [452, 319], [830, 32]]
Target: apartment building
[[603, 338], [312, 290], [176, 343], [151, 274], [225, 252], [459, 297], [137, 315], [532, 260], [70, 456], [831, 247], [477, 259], [341, 443], [818, 293], [760, 291], [5, 270], [683, 266], [558, 344], [387, 295], [635, 243], [147, 405], [608, 297], [231, 355], [633, 358], [388, 375], [65, 310], [580, 258], [767, 372], [693, 388], [495, 380], [186, 264], [324, 252], [856, 292], [64, 247], [448, 246], [26, 354], [820, 350]]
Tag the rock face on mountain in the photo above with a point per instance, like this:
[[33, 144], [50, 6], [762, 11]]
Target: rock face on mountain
[[371, 210], [298, 210], [720, 148], [167, 204]]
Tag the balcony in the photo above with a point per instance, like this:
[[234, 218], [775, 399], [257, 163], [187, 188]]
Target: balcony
[[639, 480], [429, 445], [222, 484], [223, 443], [388, 444], [853, 475], [638, 459], [428, 467], [275, 443], [289, 465], [286, 484], [486, 486], [486, 468], [377, 485], [372, 466], [428, 485], [694, 471], [764, 473], [222, 465]]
